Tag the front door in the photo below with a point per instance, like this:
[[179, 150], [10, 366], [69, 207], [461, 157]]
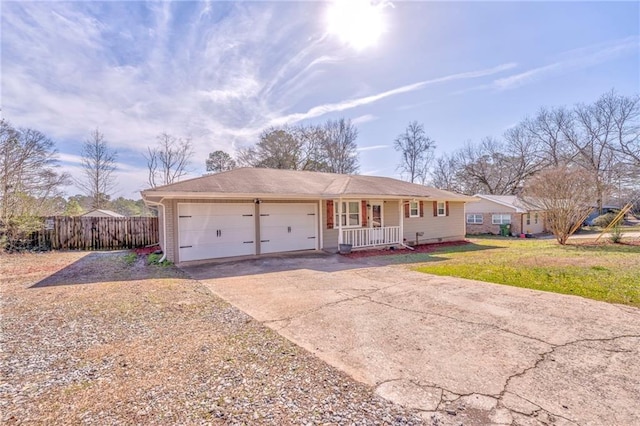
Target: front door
[[377, 234]]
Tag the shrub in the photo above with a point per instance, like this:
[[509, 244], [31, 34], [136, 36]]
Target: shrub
[[616, 235], [605, 220]]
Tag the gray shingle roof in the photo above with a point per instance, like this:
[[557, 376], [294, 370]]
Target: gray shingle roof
[[274, 182]]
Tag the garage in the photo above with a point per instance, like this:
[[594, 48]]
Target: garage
[[287, 227], [215, 230]]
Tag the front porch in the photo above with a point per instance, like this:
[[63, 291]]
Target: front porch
[[371, 237]]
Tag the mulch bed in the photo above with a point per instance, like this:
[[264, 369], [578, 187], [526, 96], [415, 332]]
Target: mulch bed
[[143, 251], [420, 248]]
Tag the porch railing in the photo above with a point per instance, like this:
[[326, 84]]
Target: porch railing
[[369, 237]]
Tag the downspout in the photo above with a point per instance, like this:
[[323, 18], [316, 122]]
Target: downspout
[[164, 233], [401, 207], [164, 229]]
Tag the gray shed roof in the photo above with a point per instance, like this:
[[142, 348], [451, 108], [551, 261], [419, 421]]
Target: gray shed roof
[[273, 183]]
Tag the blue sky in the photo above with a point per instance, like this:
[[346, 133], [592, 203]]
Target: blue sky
[[220, 72]]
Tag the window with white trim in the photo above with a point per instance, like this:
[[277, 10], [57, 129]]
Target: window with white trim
[[350, 213], [501, 219], [442, 208], [474, 218], [414, 209]]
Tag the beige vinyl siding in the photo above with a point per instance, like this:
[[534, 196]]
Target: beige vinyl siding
[[391, 213], [436, 228], [329, 236]]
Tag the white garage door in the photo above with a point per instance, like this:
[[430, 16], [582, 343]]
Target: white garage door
[[209, 231], [287, 227]]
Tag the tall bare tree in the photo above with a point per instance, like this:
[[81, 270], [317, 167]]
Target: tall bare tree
[[339, 147], [625, 113], [169, 160], [546, 130], [566, 195], [445, 173], [495, 167], [220, 161], [29, 181], [98, 165], [417, 150]]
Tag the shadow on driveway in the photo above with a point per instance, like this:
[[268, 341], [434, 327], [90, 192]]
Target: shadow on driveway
[[100, 267]]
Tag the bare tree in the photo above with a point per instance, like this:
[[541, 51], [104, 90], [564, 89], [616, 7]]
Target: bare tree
[[278, 148], [29, 182], [293, 148], [169, 160], [547, 130], [445, 173], [220, 161], [98, 165], [590, 135], [417, 150], [625, 111], [565, 194], [339, 147], [327, 148]]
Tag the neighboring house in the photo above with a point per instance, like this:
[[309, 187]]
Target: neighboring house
[[251, 211], [101, 213], [486, 216]]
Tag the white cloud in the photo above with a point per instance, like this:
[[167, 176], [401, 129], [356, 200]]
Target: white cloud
[[321, 110], [372, 148], [364, 119], [575, 59]]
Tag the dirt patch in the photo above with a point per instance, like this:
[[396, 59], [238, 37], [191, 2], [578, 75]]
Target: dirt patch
[[89, 338], [421, 248], [143, 251]]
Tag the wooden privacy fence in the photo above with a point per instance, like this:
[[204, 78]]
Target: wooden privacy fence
[[96, 233]]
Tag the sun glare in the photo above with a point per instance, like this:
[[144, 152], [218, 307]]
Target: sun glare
[[358, 23]]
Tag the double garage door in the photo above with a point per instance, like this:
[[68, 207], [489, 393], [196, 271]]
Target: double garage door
[[210, 231]]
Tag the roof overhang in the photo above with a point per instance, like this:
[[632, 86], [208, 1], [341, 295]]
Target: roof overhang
[[157, 196]]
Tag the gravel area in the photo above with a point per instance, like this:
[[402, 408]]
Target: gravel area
[[103, 338]]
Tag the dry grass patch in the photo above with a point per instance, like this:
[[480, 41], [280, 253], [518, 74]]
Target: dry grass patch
[[93, 338]]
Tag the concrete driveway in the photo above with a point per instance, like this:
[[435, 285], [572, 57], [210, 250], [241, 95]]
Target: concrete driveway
[[461, 351]]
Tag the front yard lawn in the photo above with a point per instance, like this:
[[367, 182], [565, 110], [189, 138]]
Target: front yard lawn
[[607, 272]]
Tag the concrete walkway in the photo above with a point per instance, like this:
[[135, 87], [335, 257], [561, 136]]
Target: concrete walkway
[[461, 351]]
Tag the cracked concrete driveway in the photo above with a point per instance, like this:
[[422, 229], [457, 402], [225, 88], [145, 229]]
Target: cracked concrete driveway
[[461, 351]]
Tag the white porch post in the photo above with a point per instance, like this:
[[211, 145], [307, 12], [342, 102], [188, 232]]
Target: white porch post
[[321, 226], [401, 207], [340, 221]]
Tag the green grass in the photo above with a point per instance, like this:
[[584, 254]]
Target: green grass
[[607, 272], [130, 258], [154, 259]]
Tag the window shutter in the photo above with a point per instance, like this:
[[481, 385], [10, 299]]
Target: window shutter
[[435, 208], [363, 213], [421, 207], [446, 206], [330, 214], [406, 210]]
